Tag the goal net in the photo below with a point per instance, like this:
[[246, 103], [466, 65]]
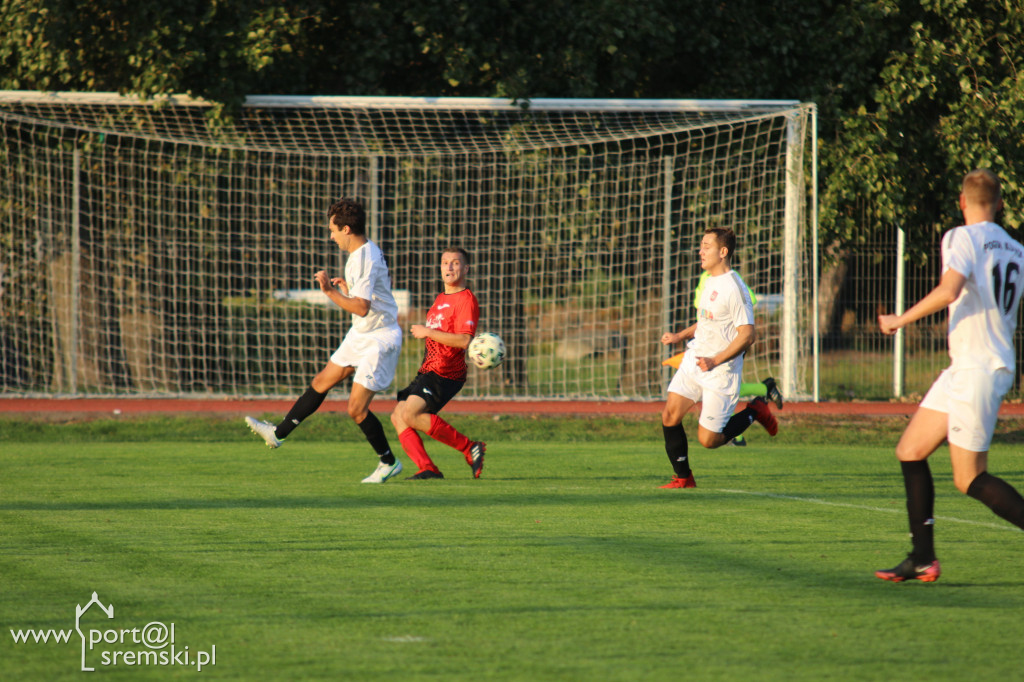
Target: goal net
[[148, 250]]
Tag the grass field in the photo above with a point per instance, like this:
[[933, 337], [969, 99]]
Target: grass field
[[563, 562]]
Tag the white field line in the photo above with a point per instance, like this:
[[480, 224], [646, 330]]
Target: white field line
[[812, 500]]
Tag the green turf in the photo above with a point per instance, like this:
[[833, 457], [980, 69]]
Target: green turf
[[564, 562]]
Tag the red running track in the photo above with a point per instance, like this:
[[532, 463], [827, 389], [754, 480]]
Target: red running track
[[514, 407]]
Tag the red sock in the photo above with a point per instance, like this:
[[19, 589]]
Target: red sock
[[413, 446], [443, 432]]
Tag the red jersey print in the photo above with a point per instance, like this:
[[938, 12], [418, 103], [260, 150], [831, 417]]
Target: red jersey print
[[456, 314]]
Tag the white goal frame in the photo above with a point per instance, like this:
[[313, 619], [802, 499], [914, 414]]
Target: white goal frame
[[149, 214]]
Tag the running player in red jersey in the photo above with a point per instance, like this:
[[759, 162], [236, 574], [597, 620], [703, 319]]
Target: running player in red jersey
[[450, 326]]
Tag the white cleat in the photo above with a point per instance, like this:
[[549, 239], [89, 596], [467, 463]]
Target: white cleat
[[383, 472], [264, 430]]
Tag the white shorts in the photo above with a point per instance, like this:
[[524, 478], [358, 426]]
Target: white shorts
[[374, 355], [718, 392], [970, 398]]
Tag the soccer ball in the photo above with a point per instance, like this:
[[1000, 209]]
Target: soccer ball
[[486, 350]]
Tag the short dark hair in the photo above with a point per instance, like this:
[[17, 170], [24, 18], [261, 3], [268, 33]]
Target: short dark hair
[[725, 237], [459, 250], [348, 212]]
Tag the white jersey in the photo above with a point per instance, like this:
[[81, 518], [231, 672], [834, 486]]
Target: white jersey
[[367, 276], [983, 318], [724, 305]]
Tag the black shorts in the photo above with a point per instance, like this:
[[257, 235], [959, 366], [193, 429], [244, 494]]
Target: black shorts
[[435, 390]]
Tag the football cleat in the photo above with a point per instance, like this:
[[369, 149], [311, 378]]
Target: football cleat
[[739, 441], [677, 482], [425, 475], [908, 569], [476, 454], [773, 393], [265, 430], [763, 415], [383, 472]]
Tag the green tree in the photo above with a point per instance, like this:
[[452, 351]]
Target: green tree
[[216, 50], [950, 101], [911, 93], [547, 48]]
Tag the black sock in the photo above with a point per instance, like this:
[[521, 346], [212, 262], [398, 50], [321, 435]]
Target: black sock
[[374, 433], [917, 480], [676, 448], [738, 423], [308, 403], [999, 496]]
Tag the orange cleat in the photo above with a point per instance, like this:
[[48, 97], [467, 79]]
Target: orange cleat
[[763, 415], [677, 482], [908, 569]]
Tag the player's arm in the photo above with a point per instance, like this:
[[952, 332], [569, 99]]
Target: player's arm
[[352, 304], [947, 291], [669, 338], [745, 337], [452, 339]]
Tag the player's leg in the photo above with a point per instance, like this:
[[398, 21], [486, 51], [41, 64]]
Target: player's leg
[[968, 465], [375, 357], [756, 410], [767, 388], [710, 439], [433, 392], [716, 413], [746, 389], [472, 450], [723, 427], [970, 435], [359, 410], [752, 389], [308, 403], [772, 392], [992, 491], [923, 435], [676, 447], [717, 424], [409, 412]]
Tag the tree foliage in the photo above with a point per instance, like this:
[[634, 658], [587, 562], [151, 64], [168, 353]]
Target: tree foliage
[[220, 49], [911, 93], [216, 49], [949, 101]]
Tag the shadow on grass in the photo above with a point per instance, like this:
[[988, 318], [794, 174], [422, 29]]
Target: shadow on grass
[[405, 499]]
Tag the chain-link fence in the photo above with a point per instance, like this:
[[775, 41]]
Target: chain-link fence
[[859, 283]]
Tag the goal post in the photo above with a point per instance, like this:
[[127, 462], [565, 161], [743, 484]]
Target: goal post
[[148, 249]]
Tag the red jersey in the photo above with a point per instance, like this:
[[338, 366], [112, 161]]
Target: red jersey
[[457, 314]]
